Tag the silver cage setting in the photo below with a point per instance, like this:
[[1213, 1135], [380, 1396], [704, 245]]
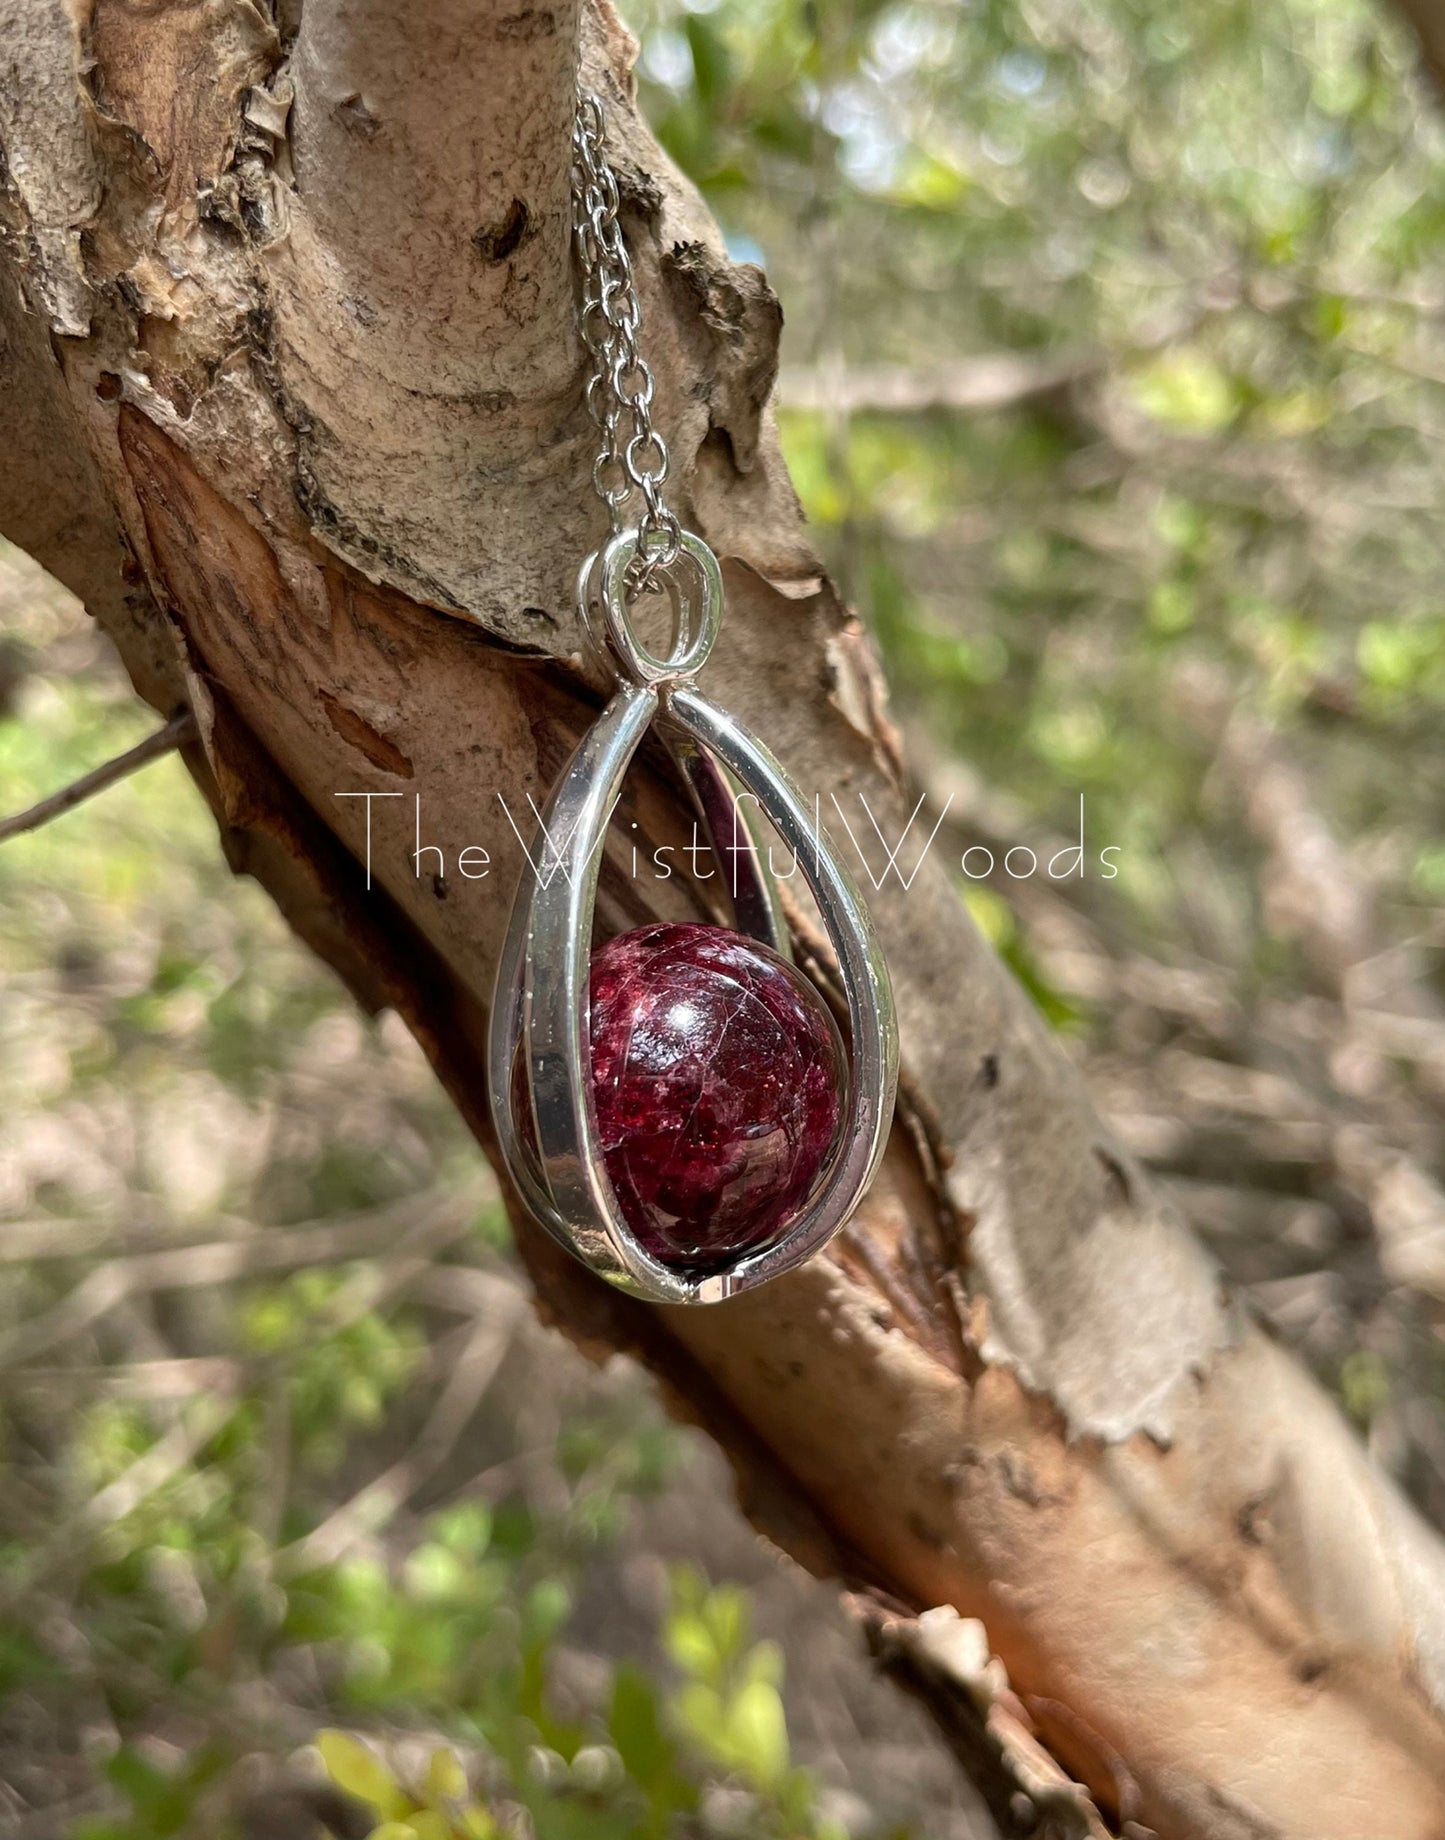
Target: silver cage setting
[[541, 1005]]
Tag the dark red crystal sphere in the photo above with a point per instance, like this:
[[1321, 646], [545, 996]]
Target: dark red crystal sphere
[[719, 1077]]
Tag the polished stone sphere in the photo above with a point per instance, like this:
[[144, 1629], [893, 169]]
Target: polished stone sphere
[[719, 1078]]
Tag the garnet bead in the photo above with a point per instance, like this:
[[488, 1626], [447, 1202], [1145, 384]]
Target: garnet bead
[[718, 1076]]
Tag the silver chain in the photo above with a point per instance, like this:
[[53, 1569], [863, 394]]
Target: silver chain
[[633, 455]]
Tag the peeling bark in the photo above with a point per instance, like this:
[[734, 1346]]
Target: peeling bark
[[293, 400]]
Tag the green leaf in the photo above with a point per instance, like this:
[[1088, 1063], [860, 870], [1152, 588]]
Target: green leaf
[[430, 1824], [1171, 606], [446, 1780], [466, 1528], [434, 1573], [636, 1729], [702, 1713], [138, 1779], [726, 1613], [1428, 875], [690, 1644], [1186, 390], [549, 1604], [358, 1771], [757, 1730]]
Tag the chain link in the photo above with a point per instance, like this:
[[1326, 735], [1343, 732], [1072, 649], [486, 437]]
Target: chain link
[[632, 457]]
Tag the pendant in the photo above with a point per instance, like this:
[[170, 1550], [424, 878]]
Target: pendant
[[679, 1109]]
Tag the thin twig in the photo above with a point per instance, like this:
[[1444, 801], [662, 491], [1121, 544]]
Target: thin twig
[[441, 1213], [166, 1459], [487, 1345], [162, 1463], [180, 1377], [993, 382], [179, 730]]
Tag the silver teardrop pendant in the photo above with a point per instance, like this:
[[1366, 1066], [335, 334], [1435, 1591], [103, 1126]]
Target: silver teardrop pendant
[[540, 1058]]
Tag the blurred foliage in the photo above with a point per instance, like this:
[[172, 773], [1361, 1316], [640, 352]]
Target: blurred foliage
[[632, 1779], [1231, 220]]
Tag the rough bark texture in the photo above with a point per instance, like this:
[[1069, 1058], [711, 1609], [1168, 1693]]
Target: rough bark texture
[[292, 398]]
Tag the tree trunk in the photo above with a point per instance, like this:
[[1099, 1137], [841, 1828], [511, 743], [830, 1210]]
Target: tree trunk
[[292, 399]]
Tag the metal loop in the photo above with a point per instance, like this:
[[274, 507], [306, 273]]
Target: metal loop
[[695, 590], [636, 470], [610, 495], [639, 398]]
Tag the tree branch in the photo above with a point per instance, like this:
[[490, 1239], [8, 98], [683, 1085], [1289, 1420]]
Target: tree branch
[[176, 733], [421, 288]]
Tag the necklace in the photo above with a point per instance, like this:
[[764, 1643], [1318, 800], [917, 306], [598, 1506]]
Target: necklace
[[677, 1109]]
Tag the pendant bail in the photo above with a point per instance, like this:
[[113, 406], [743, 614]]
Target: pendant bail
[[604, 583]]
